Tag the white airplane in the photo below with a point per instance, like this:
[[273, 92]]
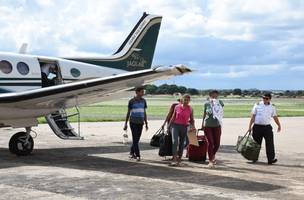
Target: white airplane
[[34, 86]]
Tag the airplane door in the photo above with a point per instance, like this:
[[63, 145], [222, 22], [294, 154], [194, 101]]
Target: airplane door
[[50, 73]]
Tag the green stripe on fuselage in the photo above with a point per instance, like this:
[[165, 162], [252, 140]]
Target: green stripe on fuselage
[[21, 84], [17, 79]]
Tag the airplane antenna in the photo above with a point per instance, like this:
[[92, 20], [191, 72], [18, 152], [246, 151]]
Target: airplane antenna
[[23, 48]]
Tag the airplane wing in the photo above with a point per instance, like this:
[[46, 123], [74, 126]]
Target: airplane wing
[[44, 101]]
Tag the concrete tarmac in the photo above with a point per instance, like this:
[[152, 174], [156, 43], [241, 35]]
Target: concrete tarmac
[[99, 168]]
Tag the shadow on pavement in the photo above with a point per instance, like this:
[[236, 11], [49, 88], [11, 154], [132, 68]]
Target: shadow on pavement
[[79, 158], [245, 170], [277, 164], [230, 149], [227, 149]]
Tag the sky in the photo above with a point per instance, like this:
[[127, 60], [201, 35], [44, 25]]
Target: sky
[[229, 43]]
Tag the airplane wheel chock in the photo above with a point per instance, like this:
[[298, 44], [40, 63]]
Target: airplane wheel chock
[[21, 144]]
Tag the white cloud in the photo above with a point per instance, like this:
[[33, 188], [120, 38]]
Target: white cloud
[[207, 32], [45, 3], [95, 26], [297, 69], [52, 26], [246, 20], [231, 74], [74, 24], [243, 71]]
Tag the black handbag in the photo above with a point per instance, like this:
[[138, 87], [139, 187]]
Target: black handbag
[[165, 145], [154, 142]]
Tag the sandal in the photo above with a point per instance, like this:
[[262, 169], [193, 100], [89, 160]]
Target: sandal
[[211, 165], [174, 164]]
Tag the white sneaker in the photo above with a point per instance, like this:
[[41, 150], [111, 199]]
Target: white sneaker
[[138, 159], [211, 165]]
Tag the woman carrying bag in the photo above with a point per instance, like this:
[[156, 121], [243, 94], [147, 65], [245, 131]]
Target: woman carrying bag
[[182, 116], [212, 125], [171, 111]]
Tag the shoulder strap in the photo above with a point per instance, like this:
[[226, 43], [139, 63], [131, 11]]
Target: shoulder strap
[[160, 131]]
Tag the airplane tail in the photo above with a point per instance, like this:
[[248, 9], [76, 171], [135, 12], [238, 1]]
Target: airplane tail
[[137, 51]]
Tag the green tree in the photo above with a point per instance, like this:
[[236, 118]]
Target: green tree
[[162, 89], [226, 93], [255, 92], [182, 89], [172, 89], [246, 92], [289, 93], [300, 93], [237, 91], [151, 89], [192, 91]]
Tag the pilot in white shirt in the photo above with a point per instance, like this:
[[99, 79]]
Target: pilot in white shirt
[[262, 113]]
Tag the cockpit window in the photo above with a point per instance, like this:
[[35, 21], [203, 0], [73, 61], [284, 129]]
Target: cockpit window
[[23, 68], [6, 67]]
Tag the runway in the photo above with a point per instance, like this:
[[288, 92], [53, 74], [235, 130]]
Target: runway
[[99, 168]]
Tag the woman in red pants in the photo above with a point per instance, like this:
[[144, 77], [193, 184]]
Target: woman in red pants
[[212, 125]]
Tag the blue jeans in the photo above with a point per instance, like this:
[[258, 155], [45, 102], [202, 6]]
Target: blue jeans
[[186, 143], [136, 130], [179, 133]]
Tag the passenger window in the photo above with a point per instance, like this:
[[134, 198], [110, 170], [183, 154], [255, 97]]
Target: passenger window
[[6, 67], [23, 68], [75, 72]]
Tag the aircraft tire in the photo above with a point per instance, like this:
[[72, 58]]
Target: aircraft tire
[[17, 144]]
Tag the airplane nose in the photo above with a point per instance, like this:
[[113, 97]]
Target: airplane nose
[[176, 69], [183, 69]]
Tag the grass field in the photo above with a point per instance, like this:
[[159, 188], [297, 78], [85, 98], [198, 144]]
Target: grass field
[[158, 107]]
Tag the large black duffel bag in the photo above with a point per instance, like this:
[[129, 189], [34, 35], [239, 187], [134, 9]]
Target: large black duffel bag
[[154, 142], [165, 145]]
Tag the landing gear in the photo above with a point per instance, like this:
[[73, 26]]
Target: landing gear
[[21, 143]]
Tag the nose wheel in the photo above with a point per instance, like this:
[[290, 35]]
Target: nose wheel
[[21, 144]]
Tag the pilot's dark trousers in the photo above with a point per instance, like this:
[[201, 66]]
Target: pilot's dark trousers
[[136, 130], [264, 131]]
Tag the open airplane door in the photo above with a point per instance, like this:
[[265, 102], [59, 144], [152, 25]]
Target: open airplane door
[[59, 123], [59, 120]]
